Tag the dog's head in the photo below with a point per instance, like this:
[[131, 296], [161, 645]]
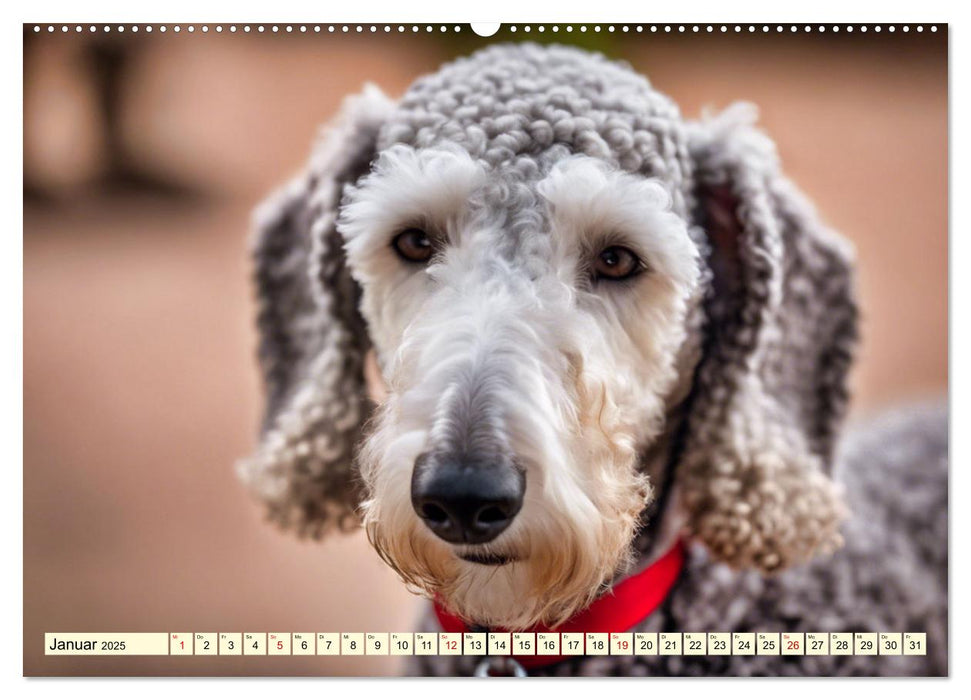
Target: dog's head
[[572, 295]]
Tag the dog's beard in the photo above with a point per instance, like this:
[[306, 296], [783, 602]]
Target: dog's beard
[[552, 577], [564, 547]]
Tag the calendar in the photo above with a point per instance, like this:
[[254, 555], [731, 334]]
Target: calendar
[[485, 644], [493, 326]]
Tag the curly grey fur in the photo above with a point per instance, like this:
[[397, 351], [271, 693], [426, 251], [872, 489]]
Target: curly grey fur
[[771, 392], [312, 337], [533, 106]]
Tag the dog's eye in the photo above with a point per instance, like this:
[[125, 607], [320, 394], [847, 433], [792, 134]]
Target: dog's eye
[[616, 263], [413, 245]]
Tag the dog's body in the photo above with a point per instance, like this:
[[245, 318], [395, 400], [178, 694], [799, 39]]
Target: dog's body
[[603, 329]]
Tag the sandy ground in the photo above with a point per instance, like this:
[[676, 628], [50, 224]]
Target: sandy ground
[[140, 388]]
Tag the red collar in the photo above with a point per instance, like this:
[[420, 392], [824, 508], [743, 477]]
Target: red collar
[[628, 603]]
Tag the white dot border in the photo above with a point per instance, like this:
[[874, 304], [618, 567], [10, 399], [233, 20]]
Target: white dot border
[[517, 29]]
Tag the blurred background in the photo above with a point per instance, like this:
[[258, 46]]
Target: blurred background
[[143, 157]]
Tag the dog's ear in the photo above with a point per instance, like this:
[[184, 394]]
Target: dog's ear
[[771, 389], [312, 338]]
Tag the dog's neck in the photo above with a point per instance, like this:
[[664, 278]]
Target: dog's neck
[[661, 521]]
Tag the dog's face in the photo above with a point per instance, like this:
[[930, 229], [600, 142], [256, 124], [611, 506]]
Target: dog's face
[[559, 276], [528, 328]]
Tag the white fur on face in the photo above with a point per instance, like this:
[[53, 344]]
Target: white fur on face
[[570, 375]]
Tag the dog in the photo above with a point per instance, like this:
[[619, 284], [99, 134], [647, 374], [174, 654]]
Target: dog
[[615, 344]]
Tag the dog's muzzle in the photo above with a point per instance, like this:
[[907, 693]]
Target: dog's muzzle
[[466, 501]]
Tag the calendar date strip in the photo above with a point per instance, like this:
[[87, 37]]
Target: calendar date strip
[[486, 644]]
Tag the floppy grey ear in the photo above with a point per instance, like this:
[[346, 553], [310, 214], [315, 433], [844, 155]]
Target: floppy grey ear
[[771, 390], [312, 338]]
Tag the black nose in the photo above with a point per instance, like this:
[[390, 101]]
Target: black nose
[[466, 501]]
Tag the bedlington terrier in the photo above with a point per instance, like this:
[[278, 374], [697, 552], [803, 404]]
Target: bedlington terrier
[[615, 345]]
